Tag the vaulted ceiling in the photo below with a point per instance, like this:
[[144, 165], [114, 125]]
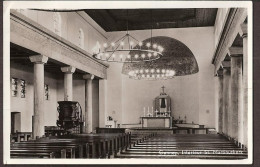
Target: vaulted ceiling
[[141, 19]]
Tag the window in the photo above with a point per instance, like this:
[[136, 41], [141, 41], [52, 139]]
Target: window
[[46, 89], [57, 23], [81, 38], [23, 88], [14, 87]]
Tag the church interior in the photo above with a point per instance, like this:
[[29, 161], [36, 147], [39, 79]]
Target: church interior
[[129, 83]]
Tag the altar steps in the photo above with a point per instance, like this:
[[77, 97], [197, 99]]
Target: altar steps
[[174, 146]]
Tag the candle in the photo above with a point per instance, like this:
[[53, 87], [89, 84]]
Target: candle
[[148, 111], [152, 111], [144, 111]]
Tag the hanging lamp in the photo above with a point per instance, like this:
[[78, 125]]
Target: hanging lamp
[[118, 51]]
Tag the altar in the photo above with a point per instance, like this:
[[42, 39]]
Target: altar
[[160, 115], [156, 122]]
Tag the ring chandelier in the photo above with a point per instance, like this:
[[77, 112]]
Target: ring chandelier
[[119, 51], [151, 74]]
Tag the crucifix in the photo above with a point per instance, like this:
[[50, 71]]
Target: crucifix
[[163, 87]]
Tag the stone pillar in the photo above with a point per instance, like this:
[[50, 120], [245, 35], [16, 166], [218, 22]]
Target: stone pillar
[[68, 82], [243, 33], [102, 102], [88, 102], [38, 84], [220, 101], [226, 85], [236, 104]]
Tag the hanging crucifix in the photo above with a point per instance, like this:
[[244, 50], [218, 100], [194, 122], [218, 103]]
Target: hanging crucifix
[[163, 93], [163, 102]]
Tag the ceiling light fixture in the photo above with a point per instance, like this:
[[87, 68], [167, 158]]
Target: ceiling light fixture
[[119, 50], [151, 74]]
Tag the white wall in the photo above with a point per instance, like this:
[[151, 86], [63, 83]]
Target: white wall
[[25, 105], [114, 92], [192, 95], [71, 23]]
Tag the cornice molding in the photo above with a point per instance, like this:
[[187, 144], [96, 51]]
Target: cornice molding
[[236, 17], [29, 34]]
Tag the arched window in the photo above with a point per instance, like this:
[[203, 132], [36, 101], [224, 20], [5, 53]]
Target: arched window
[[57, 23], [81, 39]]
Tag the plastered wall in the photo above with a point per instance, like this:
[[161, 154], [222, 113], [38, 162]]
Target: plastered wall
[[25, 105]]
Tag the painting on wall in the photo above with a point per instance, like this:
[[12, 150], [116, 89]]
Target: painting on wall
[[22, 88], [46, 89], [14, 87]]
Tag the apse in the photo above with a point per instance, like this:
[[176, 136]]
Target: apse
[[176, 56]]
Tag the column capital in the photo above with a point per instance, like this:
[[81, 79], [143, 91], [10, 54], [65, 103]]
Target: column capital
[[243, 30], [88, 76], [225, 64], [235, 51], [38, 59], [68, 69]]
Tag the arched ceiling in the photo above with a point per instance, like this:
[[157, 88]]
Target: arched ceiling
[[176, 56]]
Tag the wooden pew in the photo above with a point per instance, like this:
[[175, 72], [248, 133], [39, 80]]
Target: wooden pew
[[207, 147], [73, 146], [56, 149], [20, 136], [102, 145]]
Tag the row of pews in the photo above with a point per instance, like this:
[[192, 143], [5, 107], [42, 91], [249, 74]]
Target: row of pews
[[72, 146], [134, 144], [181, 146], [106, 145]]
